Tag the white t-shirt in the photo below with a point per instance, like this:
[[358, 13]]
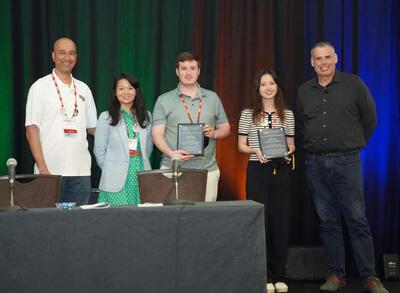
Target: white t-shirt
[[64, 144]]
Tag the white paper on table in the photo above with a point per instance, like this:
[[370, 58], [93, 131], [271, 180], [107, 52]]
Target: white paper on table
[[99, 205], [149, 204]]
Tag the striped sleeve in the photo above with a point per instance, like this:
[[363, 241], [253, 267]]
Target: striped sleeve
[[289, 123], [245, 122]]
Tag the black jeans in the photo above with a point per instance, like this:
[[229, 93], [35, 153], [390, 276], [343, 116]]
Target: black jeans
[[274, 192]]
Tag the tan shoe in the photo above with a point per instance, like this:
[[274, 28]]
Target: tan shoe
[[281, 287], [333, 283], [270, 288], [374, 285]]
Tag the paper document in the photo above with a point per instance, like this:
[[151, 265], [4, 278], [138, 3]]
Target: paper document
[[149, 204], [99, 205]]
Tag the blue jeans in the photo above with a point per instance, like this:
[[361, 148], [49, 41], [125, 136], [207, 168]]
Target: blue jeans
[[75, 189], [336, 184]]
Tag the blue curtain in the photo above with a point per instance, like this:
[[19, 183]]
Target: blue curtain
[[366, 37]]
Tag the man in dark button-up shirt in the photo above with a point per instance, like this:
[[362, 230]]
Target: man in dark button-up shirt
[[336, 116]]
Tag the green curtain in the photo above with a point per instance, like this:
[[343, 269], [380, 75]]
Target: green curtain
[[6, 87], [139, 37]]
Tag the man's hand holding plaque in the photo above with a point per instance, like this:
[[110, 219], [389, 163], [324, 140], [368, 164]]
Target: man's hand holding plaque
[[273, 143]]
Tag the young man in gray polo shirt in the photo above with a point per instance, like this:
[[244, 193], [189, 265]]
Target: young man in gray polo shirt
[[189, 103]]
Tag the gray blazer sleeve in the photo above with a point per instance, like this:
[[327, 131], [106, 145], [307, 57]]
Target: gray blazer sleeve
[[101, 138]]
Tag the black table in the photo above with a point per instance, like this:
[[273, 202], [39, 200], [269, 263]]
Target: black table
[[207, 247]]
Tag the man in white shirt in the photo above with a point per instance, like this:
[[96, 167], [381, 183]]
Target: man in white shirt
[[59, 111]]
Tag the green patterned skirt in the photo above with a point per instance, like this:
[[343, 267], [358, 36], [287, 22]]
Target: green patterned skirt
[[129, 194]]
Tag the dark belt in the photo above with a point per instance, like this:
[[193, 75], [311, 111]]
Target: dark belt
[[335, 153]]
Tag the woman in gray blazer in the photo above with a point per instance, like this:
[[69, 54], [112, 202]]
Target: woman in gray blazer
[[123, 144]]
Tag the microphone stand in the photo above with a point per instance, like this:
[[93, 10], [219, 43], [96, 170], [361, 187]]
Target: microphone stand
[[11, 191], [177, 200], [176, 183], [12, 207], [11, 164]]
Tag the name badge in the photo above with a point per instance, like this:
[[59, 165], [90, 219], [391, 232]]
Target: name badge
[[68, 132], [70, 129], [132, 145]]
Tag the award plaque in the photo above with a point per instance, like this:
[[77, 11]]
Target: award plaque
[[191, 138], [273, 142]]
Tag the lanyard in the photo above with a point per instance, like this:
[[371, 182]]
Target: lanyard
[[187, 109], [135, 124], [75, 112]]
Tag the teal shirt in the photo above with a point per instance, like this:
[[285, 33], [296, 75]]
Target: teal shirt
[[169, 111]]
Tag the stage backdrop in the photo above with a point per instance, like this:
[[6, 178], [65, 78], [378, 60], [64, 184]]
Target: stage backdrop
[[234, 39]]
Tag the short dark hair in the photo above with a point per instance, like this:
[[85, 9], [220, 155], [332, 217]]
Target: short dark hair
[[187, 56], [320, 45]]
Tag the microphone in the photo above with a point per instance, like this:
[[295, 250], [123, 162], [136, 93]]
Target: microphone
[[11, 164]]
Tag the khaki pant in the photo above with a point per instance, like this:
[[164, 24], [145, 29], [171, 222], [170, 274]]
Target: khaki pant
[[212, 185]]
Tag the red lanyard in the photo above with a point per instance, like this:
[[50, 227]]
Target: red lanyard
[[75, 112], [187, 109], [262, 114]]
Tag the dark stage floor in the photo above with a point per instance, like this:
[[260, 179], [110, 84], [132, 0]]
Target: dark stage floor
[[352, 286]]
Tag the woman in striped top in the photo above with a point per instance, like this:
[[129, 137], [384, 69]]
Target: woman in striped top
[[269, 181]]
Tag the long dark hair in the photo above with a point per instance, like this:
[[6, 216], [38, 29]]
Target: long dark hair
[[256, 103], [138, 106]]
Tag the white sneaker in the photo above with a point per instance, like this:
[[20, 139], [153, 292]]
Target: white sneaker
[[281, 287], [270, 288]]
